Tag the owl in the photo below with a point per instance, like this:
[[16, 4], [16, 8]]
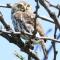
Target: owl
[[23, 19]]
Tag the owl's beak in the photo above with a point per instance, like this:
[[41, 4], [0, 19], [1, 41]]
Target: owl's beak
[[25, 7]]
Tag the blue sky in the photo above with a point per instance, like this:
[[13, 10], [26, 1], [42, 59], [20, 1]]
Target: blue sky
[[7, 50]]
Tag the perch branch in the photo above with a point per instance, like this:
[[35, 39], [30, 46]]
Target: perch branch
[[55, 6], [14, 33], [18, 33], [19, 44]]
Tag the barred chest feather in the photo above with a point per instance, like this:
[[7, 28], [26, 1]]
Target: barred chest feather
[[27, 19]]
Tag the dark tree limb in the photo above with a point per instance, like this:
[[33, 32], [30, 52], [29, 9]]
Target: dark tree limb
[[45, 19], [15, 38], [7, 6], [36, 12], [53, 44], [20, 44], [3, 22], [19, 33], [52, 15]]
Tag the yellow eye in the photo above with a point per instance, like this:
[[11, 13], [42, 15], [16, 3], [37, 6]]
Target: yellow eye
[[20, 7], [28, 5]]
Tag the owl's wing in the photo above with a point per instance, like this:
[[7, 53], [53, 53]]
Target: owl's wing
[[39, 28]]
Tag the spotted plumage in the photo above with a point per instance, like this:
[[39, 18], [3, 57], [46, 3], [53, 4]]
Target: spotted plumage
[[23, 18]]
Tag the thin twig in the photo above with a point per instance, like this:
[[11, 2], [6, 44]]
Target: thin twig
[[7, 6], [53, 44], [45, 19]]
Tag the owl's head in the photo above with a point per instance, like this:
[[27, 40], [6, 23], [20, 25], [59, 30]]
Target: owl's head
[[23, 6]]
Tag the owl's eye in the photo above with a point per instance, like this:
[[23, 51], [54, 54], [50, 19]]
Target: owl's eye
[[20, 7], [28, 5]]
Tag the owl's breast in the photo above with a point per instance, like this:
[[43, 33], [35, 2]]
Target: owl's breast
[[24, 18]]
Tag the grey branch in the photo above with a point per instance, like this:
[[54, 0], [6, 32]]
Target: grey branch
[[14, 33], [18, 33]]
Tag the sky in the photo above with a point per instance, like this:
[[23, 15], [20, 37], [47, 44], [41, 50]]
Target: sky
[[8, 50]]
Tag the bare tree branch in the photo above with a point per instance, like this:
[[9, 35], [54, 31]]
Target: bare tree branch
[[7, 6], [19, 43], [52, 15], [45, 19], [53, 44], [18, 33], [3, 22], [14, 37]]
